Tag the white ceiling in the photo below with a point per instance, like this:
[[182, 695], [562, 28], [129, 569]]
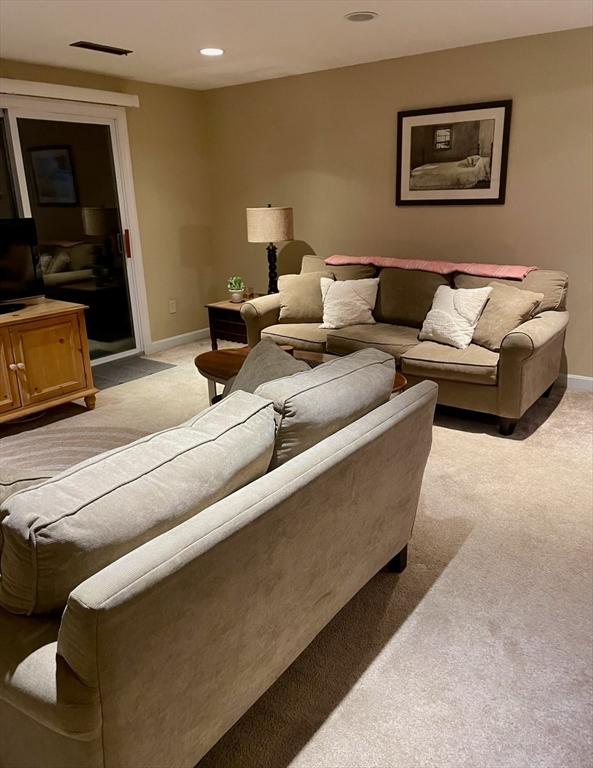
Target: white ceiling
[[263, 39]]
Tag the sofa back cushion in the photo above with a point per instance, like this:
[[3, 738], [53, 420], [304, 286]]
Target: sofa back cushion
[[343, 272], [551, 282], [312, 405], [405, 295], [57, 534], [300, 297]]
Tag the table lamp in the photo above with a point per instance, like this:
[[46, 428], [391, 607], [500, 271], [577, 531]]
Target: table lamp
[[102, 223], [270, 225]]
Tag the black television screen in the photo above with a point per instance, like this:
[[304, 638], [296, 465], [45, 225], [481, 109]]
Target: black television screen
[[19, 264]]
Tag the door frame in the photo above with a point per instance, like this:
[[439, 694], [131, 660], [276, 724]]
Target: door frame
[[38, 108]]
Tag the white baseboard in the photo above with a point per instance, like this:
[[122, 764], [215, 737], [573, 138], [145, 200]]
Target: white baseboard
[[576, 383], [175, 341]]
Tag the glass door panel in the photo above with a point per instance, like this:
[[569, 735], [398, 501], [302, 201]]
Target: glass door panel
[[73, 198]]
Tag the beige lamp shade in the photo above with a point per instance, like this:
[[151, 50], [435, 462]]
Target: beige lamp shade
[[269, 225], [99, 222]]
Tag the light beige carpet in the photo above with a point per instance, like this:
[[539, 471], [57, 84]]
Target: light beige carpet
[[479, 655]]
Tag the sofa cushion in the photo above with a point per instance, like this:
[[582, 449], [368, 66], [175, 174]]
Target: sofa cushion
[[311, 406], [395, 339], [405, 295], [507, 308], [551, 282], [454, 315], [265, 362], [343, 272], [300, 297], [430, 360], [348, 302], [307, 336], [35, 681], [56, 535]]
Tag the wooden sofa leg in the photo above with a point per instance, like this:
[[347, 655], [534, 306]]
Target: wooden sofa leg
[[398, 563], [506, 427]]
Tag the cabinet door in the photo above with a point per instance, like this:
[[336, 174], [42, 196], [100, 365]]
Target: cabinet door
[[9, 390], [49, 358]]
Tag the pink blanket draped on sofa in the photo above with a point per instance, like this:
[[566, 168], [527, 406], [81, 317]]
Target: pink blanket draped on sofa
[[505, 271]]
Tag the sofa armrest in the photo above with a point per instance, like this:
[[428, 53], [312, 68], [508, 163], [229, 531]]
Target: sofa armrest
[[528, 338], [530, 360], [258, 314]]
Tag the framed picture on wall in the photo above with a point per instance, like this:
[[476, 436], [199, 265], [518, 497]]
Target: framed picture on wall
[[453, 155], [53, 175]]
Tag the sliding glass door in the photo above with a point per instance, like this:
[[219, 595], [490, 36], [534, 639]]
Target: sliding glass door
[[62, 170], [8, 208]]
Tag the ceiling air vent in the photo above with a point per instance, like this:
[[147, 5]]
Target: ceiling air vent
[[101, 48]]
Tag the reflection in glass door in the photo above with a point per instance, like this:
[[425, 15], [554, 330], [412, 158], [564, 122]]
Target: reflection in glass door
[[72, 194], [7, 204]]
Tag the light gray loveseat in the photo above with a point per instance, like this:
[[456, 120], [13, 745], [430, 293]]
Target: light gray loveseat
[[160, 652]]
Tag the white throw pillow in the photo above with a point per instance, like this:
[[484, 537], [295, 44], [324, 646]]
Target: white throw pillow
[[454, 315], [348, 302]]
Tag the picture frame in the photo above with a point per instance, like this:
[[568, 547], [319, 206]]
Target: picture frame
[[453, 155], [53, 175]]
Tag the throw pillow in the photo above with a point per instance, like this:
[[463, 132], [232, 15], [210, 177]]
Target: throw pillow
[[50, 264], [507, 308], [57, 534], [348, 302], [454, 315], [300, 297], [265, 362], [312, 405]]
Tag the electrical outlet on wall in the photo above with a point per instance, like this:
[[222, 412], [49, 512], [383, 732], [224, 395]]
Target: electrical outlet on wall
[[172, 306]]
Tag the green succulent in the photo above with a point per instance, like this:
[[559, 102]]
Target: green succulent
[[236, 284]]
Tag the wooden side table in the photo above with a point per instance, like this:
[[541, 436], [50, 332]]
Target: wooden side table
[[224, 319]]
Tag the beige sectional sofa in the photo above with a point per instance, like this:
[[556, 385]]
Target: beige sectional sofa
[[192, 575], [504, 383]]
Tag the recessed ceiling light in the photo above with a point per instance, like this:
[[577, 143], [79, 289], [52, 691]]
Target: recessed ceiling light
[[211, 51], [361, 16]]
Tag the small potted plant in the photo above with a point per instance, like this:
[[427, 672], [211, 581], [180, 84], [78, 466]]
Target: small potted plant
[[236, 288]]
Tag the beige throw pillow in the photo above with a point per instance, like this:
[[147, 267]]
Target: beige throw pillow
[[300, 297], [348, 302], [507, 308]]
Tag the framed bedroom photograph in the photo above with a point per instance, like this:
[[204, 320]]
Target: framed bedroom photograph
[[53, 175], [453, 155]]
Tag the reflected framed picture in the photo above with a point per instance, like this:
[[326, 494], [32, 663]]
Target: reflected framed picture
[[53, 175], [453, 155]]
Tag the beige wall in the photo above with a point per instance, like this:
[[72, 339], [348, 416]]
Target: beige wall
[[172, 193], [325, 144]]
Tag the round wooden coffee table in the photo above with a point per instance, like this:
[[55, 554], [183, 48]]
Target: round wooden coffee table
[[220, 365], [399, 383]]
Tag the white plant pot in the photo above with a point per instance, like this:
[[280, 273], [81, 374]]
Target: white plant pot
[[237, 296]]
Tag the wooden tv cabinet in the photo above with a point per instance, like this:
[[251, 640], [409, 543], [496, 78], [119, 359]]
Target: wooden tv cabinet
[[44, 358]]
